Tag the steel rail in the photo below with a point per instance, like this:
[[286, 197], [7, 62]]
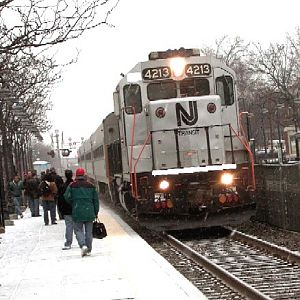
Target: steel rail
[[284, 253], [236, 284]]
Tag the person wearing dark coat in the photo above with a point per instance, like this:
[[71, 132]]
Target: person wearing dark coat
[[32, 192], [16, 187], [59, 183], [65, 209], [83, 197]]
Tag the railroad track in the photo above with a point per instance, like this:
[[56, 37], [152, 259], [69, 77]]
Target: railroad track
[[253, 268]]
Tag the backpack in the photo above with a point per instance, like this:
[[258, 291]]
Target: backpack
[[44, 188]]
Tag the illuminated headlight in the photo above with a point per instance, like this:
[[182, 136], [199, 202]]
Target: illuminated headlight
[[164, 184], [227, 179], [177, 65]]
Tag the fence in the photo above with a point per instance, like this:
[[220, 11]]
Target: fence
[[278, 197]]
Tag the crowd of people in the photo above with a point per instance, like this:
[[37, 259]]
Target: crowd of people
[[76, 201]]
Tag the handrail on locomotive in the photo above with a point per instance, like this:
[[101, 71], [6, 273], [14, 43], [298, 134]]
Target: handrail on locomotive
[[246, 144]]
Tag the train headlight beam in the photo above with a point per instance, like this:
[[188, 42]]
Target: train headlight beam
[[164, 184], [227, 179], [177, 65]]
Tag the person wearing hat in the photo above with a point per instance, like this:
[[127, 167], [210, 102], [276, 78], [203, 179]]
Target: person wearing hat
[[83, 197]]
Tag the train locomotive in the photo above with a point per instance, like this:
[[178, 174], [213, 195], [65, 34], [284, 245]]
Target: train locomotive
[[174, 151]]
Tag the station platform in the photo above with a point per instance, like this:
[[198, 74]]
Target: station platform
[[122, 265]]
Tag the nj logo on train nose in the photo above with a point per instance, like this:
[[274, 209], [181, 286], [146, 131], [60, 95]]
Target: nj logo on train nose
[[188, 118]]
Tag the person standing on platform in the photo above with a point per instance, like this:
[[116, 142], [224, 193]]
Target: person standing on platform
[[16, 187], [32, 192], [59, 183], [48, 191], [83, 197], [65, 209]]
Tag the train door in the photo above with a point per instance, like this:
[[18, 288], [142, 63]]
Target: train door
[[119, 184], [119, 112], [135, 128]]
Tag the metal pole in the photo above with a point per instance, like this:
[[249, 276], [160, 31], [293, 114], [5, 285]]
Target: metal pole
[[297, 142], [297, 149], [280, 157], [271, 125], [264, 135], [248, 127], [3, 215], [58, 152]]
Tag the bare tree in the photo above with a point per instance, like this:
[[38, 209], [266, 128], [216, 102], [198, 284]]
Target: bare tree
[[279, 67], [28, 74], [234, 52], [40, 23]]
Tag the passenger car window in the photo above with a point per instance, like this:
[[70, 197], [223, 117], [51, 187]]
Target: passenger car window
[[132, 98], [161, 90], [224, 85]]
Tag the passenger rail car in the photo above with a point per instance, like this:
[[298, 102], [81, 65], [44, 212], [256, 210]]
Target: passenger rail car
[[174, 147]]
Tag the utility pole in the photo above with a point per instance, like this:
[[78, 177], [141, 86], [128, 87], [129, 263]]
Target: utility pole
[[271, 125], [57, 148], [280, 150]]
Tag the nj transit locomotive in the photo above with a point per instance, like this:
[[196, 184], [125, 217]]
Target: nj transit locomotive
[[173, 147]]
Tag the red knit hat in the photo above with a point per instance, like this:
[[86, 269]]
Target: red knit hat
[[80, 172]]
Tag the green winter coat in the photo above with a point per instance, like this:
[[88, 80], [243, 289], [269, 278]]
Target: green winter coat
[[83, 197], [16, 188]]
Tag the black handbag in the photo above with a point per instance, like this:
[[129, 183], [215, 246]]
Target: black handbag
[[99, 230]]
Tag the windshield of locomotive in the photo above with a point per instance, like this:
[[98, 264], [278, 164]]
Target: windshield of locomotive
[[132, 98], [171, 89]]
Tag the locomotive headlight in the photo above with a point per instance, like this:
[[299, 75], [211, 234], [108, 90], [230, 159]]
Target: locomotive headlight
[[177, 65], [227, 179], [164, 184]]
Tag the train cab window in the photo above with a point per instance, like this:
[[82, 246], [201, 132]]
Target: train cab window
[[161, 90], [132, 98], [194, 87], [224, 86]]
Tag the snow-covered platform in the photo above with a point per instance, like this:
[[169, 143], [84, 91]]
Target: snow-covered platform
[[122, 266]]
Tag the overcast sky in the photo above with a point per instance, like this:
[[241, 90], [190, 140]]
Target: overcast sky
[[84, 97]]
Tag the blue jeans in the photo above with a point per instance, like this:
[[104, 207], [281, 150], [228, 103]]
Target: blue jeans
[[17, 203], [34, 206], [69, 230], [84, 233], [51, 206]]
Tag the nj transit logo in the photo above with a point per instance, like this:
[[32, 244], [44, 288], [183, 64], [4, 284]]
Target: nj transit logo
[[188, 118]]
